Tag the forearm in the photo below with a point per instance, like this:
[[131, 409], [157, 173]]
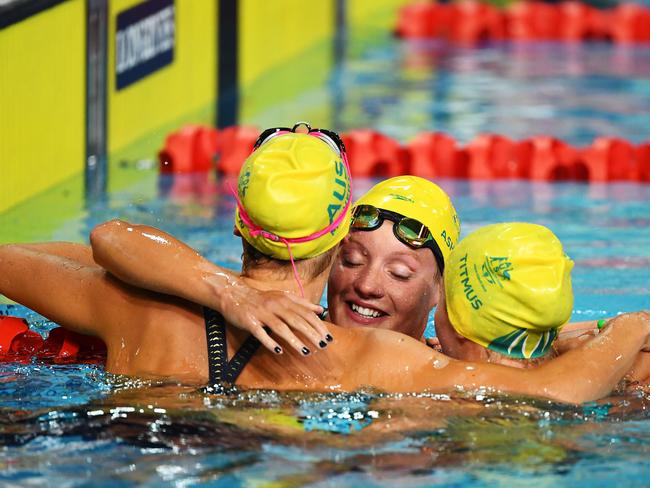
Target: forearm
[[593, 370], [585, 374], [149, 258]]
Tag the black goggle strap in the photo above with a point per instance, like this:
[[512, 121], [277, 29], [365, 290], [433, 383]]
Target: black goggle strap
[[437, 254], [329, 137]]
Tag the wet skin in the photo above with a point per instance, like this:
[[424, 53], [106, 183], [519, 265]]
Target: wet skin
[[377, 281]]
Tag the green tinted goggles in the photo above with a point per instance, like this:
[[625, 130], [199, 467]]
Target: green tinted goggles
[[409, 231]]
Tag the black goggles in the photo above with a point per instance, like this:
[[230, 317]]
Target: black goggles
[[409, 231], [331, 138]]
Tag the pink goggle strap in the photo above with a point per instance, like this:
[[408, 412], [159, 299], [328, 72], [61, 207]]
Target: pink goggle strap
[[255, 230]]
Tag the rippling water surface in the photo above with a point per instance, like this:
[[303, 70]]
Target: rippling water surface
[[574, 92]]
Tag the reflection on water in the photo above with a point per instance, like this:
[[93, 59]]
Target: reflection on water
[[574, 92], [172, 434]]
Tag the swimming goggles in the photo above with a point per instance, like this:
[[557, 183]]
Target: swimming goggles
[[409, 231], [331, 138], [336, 144]]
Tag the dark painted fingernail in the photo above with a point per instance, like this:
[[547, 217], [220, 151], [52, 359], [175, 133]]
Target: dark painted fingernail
[[305, 351], [278, 350], [322, 344], [329, 338]]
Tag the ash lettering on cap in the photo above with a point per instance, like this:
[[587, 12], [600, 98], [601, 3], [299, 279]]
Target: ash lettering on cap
[[447, 240]]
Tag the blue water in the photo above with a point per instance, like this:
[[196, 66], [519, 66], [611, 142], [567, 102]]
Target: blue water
[[75, 425], [571, 91]]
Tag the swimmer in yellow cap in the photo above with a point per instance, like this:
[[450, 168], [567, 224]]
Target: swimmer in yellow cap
[[387, 274], [507, 293], [150, 334], [507, 297]]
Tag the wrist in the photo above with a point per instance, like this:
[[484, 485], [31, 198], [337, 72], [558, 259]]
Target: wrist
[[220, 289], [634, 323]]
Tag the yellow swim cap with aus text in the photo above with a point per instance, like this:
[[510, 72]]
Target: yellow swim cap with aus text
[[508, 288], [293, 186], [420, 199]]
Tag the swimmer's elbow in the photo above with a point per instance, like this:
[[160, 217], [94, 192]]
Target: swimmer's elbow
[[102, 235], [101, 231]]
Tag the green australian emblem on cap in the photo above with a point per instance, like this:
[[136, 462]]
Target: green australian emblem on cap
[[496, 269], [524, 344]]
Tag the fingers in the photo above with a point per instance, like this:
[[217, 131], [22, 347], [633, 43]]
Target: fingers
[[304, 302], [280, 329], [310, 326], [265, 339], [275, 316], [300, 315]]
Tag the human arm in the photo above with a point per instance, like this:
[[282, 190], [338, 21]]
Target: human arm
[[80, 253], [149, 258], [398, 363], [58, 281], [575, 334]]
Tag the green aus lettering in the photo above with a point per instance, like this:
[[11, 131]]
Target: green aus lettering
[[340, 193]]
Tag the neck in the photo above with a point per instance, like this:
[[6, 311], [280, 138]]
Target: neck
[[506, 361], [264, 280]]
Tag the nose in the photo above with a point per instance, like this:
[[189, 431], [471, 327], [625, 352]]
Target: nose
[[368, 283]]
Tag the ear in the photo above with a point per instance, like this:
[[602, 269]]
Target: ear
[[438, 292]]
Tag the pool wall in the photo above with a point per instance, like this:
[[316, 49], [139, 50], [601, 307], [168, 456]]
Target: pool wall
[[42, 100], [275, 52]]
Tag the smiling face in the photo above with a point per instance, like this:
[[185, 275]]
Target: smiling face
[[377, 281]]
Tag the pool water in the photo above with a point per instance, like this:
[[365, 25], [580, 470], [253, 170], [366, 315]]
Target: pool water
[[75, 425], [574, 92]]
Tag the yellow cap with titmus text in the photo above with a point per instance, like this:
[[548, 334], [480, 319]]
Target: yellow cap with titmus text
[[422, 200], [508, 288], [290, 189]]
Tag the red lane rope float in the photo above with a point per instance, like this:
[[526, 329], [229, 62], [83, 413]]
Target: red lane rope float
[[20, 344], [540, 158], [236, 144], [469, 21], [374, 154], [189, 150], [431, 155]]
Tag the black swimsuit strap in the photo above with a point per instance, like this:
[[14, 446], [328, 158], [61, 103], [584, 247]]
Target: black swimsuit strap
[[222, 370]]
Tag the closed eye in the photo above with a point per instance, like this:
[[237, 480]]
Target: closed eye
[[351, 262], [402, 273]]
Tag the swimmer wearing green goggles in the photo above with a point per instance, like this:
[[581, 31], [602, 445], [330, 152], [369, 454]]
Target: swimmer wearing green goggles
[[388, 272]]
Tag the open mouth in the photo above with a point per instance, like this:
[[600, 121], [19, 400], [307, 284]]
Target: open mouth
[[365, 312]]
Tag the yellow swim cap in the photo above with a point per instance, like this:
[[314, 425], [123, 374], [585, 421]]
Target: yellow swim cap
[[508, 288], [422, 200], [291, 188]]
